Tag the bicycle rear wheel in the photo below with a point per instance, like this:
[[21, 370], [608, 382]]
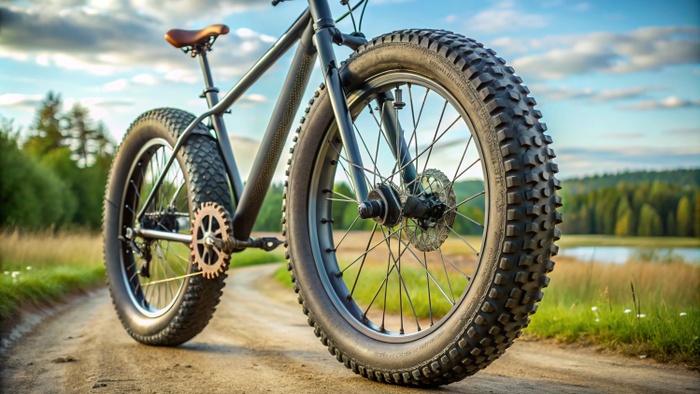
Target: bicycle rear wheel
[[440, 277], [160, 296]]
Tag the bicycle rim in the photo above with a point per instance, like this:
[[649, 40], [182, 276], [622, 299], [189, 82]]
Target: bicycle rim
[[400, 282], [156, 276]]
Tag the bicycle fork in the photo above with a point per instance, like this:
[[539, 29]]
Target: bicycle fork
[[325, 35]]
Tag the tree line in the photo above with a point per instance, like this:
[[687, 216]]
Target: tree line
[[640, 203], [54, 174], [645, 203]]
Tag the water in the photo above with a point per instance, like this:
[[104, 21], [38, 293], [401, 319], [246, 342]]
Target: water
[[621, 254]]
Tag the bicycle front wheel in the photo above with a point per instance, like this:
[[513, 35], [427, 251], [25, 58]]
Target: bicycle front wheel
[[438, 272]]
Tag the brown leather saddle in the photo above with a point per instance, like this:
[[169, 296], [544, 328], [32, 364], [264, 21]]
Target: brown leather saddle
[[193, 38]]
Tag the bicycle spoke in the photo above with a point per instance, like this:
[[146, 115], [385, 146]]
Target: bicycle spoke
[[437, 129], [347, 232], [369, 250], [428, 272], [481, 193], [362, 264], [469, 219], [427, 281], [444, 258], [464, 240]]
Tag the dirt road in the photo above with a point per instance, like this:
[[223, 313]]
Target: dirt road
[[258, 341]]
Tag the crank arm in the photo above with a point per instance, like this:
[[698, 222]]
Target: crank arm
[[234, 245]]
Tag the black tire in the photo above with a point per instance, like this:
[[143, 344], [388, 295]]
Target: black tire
[[488, 310], [176, 309]]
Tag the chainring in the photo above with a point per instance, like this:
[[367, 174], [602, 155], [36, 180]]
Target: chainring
[[211, 228], [435, 182]]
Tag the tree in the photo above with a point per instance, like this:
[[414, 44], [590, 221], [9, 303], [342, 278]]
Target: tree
[[624, 217], [684, 218], [86, 140], [696, 222], [47, 130], [62, 168], [649, 222], [31, 194]]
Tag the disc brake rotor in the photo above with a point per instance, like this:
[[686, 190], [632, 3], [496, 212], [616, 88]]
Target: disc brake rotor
[[435, 185], [211, 228]]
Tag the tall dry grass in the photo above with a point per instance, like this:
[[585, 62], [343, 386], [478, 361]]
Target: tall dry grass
[[44, 266], [640, 308], [48, 248], [575, 282]]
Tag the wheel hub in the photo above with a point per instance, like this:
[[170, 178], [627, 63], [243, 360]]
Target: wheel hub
[[430, 214], [383, 205]]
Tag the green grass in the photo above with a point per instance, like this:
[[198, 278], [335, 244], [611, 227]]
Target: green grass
[[638, 308], [43, 267], [255, 257], [593, 303]]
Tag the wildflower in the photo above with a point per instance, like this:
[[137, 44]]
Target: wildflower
[[7, 272], [641, 316], [29, 268], [15, 274], [597, 320], [595, 308], [628, 310], [683, 314]]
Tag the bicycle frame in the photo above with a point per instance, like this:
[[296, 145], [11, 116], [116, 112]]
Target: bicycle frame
[[315, 32]]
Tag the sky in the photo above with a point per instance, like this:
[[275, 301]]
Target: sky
[[618, 82]]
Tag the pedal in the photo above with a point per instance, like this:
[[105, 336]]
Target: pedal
[[269, 243]]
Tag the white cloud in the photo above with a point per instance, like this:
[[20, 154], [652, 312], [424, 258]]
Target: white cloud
[[17, 100], [116, 85], [600, 96], [670, 102], [651, 48], [253, 99], [505, 16], [452, 18], [577, 161], [115, 37], [582, 7]]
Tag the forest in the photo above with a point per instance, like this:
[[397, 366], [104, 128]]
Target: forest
[[53, 176]]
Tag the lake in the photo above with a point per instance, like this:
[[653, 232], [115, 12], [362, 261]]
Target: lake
[[621, 254]]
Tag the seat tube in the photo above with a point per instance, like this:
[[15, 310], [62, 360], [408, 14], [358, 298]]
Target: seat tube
[[211, 93], [324, 27]]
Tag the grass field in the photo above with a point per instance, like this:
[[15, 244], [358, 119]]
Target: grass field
[[586, 302], [43, 267], [639, 308]]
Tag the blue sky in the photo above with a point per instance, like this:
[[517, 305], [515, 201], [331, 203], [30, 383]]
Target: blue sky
[[618, 82]]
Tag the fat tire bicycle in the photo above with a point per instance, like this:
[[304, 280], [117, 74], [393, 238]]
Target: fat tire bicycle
[[409, 270]]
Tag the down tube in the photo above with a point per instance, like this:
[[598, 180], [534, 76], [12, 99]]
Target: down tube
[[275, 137]]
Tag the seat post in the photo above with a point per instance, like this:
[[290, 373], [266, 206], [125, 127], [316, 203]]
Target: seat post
[[211, 93]]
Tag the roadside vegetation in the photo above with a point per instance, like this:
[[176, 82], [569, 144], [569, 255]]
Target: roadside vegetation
[[42, 267], [643, 308]]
